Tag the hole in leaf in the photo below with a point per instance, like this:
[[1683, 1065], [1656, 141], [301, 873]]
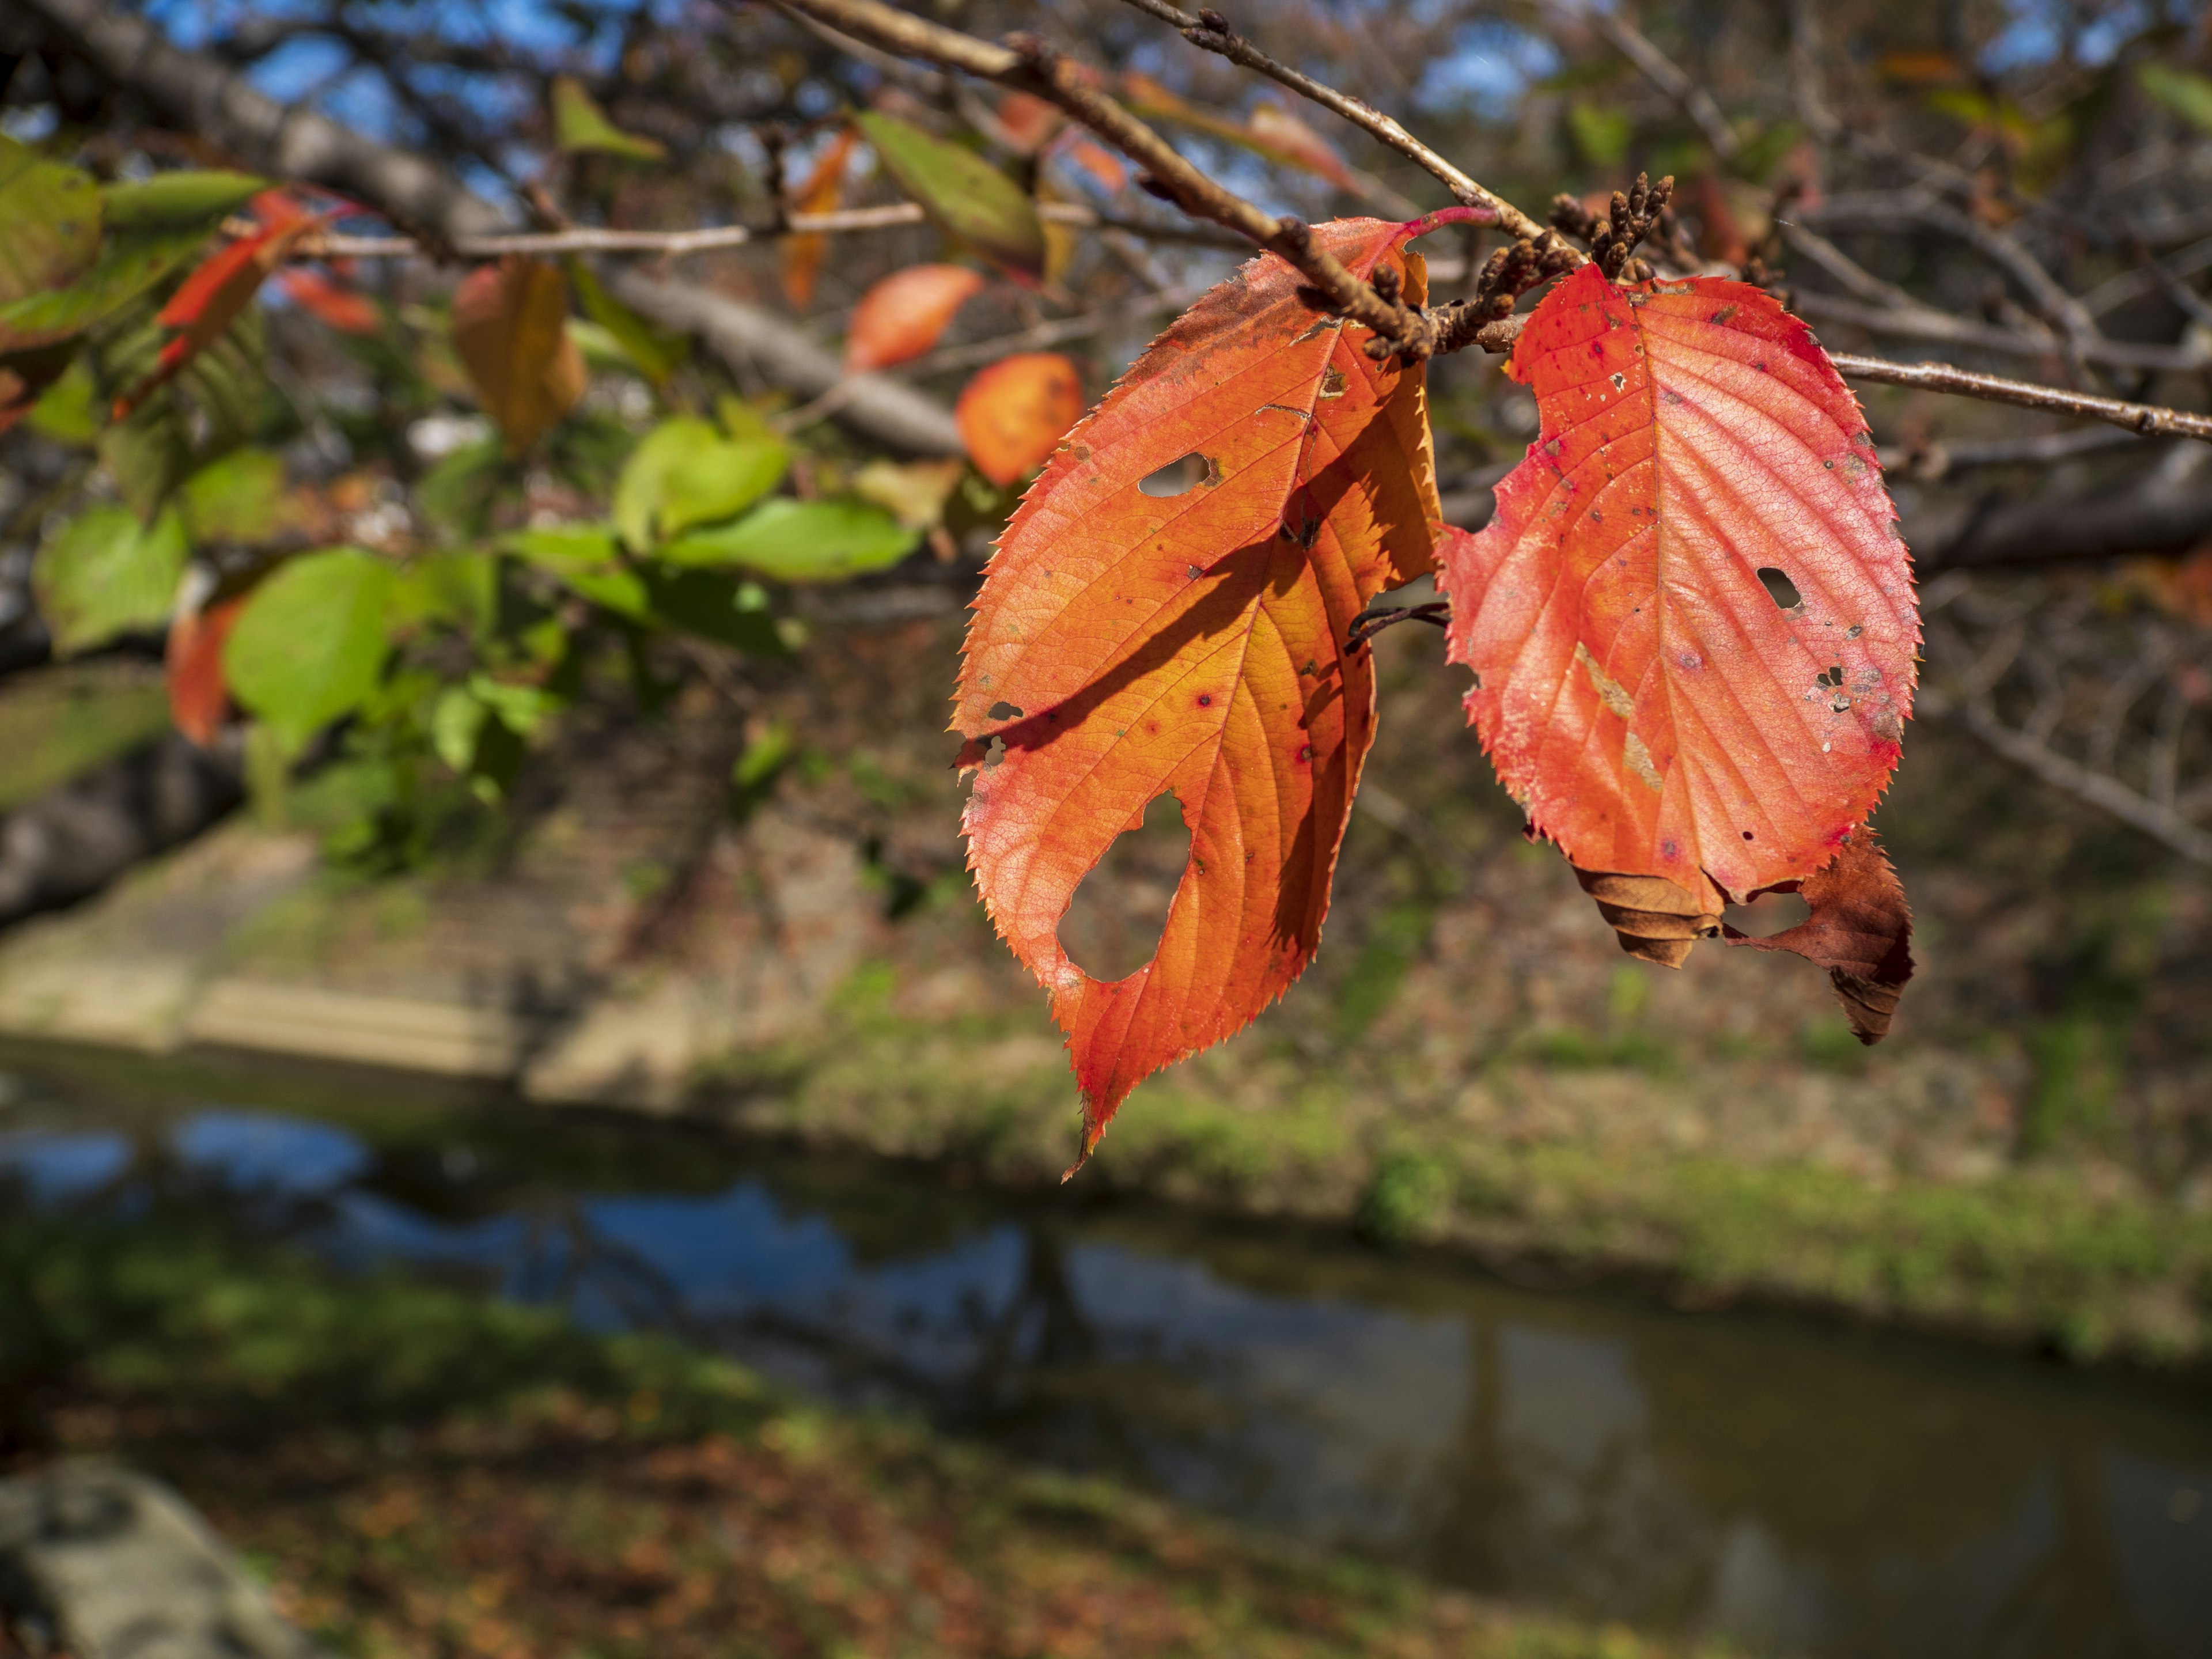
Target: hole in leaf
[[1769, 914], [996, 753], [1779, 588], [1177, 476], [1114, 927], [1005, 711]]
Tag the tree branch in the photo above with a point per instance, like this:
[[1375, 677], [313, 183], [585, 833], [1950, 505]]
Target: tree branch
[[1210, 30], [1663, 73], [2149, 420], [200, 95], [1030, 65]]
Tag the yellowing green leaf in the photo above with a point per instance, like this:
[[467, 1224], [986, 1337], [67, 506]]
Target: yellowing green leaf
[[686, 473], [170, 200], [106, 574], [130, 262], [800, 541], [964, 192], [579, 123], [239, 499], [2186, 93], [310, 644], [49, 222], [654, 352]]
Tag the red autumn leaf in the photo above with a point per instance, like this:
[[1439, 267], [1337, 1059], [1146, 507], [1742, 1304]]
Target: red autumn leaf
[[511, 331], [1014, 414], [824, 189], [906, 313], [198, 700], [1860, 930], [1128, 644], [212, 298], [1656, 708], [333, 304]]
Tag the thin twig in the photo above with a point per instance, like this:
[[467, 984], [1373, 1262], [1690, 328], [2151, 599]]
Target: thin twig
[[1030, 65], [1663, 73], [1919, 322], [1209, 31], [2149, 420], [678, 244]]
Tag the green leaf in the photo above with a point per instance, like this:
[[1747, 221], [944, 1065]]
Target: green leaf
[[51, 218], [686, 473], [1601, 134], [106, 573], [310, 643], [179, 200], [654, 351], [458, 492], [239, 499], [67, 412], [458, 588], [130, 263], [579, 123], [715, 606], [583, 556], [2188, 95], [960, 191], [800, 541]]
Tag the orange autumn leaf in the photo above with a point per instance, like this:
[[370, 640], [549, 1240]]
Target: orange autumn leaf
[[1014, 414], [1106, 170], [1128, 644], [906, 313], [198, 699], [1029, 120], [511, 331], [824, 189], [1692, 620], [1276, 131], [331, 302], [210, 299]]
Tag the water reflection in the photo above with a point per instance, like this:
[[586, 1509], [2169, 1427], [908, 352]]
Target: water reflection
[[1798, 1488]]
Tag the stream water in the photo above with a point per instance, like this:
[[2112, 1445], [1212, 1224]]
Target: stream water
[[1798, 1486]]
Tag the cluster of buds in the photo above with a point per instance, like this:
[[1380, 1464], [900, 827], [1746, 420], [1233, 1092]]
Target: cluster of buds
[[1636, 213]]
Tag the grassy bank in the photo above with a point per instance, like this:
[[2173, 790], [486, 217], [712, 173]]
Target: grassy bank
[[415, 1468], [2067, 1254]]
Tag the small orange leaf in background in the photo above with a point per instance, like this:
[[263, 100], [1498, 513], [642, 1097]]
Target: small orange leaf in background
[[198, 700], [331, 303], [1129, 644], [1029, 121], [511, 331], [824, 189], [212, 298], [1861, 931], [1014, 414], [906, 313], [1692, 620], [1106, 170], [1279, 133]]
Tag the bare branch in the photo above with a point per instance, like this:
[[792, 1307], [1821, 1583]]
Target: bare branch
[[1029, 65], [1919, 322], [1210, 30], [2149, 420], [2100, 789], [1663, 73], [677, 244]]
